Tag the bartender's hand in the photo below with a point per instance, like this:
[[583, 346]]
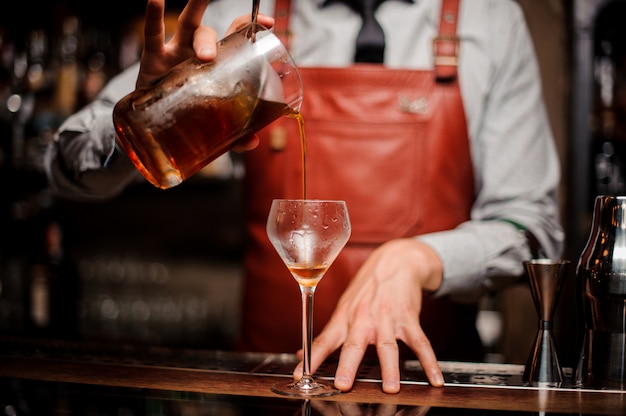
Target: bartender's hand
[[380, 306], [190, 39]]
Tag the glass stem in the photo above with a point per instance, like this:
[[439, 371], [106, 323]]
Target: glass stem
[[307, 331]]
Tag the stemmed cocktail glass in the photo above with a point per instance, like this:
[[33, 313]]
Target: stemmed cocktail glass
[[308, 235]]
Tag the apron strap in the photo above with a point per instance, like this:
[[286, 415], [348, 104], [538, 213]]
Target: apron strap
[[282, 12], [445, 45]]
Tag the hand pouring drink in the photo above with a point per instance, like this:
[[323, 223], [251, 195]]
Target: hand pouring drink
[[195, 113]]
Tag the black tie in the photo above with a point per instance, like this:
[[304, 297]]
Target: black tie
[[370, 44]]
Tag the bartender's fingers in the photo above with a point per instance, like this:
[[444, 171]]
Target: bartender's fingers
[[189, 20], [153, 56], [154, 27], [388, 356], [191, 32], [352, 353], [189, 39], [416, 339], [359, 336]]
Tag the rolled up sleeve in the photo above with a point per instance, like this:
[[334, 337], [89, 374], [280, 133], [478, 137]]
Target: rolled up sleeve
[[83, 161]]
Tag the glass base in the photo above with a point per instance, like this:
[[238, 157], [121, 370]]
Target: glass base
[[309, 388]]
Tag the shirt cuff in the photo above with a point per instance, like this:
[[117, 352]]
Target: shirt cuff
[[477, 257]]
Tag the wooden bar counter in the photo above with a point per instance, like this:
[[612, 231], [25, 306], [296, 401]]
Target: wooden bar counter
[[66, 378]]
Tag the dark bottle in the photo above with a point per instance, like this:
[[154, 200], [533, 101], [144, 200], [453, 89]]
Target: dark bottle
[[601, 276]]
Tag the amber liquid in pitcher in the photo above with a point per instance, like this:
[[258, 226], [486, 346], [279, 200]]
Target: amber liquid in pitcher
[[171, 152]]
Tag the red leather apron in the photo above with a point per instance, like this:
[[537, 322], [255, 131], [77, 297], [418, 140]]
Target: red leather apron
[[393, 144]]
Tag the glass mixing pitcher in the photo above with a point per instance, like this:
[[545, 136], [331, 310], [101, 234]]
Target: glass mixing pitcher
[[196, 112]]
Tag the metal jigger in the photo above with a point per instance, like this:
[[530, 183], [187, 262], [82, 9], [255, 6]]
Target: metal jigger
[[545, 277]]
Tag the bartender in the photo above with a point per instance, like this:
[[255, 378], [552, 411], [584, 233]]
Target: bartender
[[428, 121]]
